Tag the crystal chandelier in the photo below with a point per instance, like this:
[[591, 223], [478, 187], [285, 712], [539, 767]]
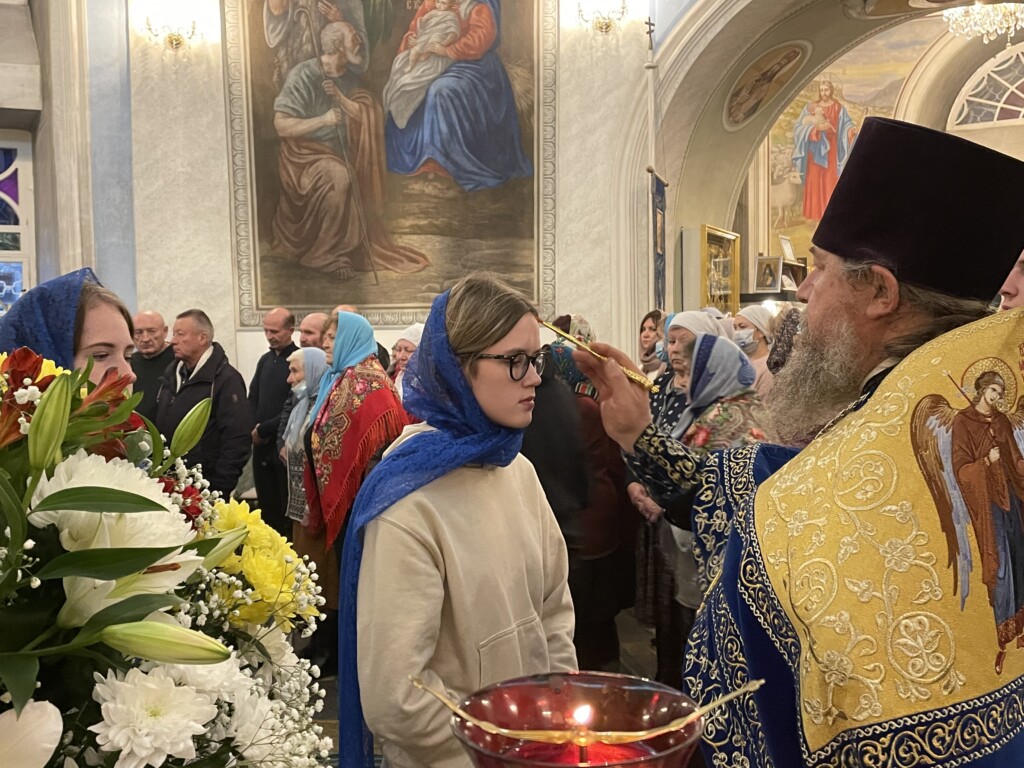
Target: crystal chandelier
[[986, 21]]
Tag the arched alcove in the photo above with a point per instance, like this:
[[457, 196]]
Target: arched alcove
[[706, 164]]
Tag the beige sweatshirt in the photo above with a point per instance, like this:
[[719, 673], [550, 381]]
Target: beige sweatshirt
[[462, 583]]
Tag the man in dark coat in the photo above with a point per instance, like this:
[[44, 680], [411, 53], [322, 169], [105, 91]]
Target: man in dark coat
[[268, 392], [201, 370], [152, 356]]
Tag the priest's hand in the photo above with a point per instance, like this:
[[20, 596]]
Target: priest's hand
[[625, 407]]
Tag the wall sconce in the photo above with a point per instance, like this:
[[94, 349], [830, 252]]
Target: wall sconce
[[173, 38], [177, 25], [602, 16]]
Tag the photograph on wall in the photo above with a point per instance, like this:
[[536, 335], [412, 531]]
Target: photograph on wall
[[768, 275], [812, 139], [393, 148]]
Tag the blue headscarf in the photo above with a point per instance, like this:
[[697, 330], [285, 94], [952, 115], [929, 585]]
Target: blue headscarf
[[44, 318], [436, 391], [353, 343], [719, 369], [314, 366]]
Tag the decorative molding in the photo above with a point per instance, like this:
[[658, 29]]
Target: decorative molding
[[240, 166]]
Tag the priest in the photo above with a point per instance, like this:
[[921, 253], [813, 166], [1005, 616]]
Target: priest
[[847, 575]]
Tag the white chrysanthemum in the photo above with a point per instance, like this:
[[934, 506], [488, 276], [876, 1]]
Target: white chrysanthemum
[[224, 681], [147, 718], [89, 530], [276, 644], [255, 725]]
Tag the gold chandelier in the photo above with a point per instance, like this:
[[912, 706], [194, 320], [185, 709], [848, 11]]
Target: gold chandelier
[[986, 21]]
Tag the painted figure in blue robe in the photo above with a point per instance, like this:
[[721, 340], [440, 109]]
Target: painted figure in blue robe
[[467, 126]]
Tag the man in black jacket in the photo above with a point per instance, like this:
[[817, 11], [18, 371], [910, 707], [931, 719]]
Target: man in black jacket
[[201, 370], [268, 392], [152, 356]]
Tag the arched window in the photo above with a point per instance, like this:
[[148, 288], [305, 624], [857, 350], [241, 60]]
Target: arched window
[[994, 93]]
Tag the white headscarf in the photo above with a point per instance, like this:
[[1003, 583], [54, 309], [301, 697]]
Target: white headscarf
[[696, 322], [412, 334], [760, 318]]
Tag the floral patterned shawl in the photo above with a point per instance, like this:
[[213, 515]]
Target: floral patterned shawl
[[362, 415]]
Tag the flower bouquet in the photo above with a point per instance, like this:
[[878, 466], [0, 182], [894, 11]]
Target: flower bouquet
[[144, 619]]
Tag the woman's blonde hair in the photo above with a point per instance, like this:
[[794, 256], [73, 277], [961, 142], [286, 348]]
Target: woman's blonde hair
[[481, 311], [91, 295]]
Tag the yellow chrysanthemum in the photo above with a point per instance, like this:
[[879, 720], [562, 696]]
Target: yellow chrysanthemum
[[231, 514]]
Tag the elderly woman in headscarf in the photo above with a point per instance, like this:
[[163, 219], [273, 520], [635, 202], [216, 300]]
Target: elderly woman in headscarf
[[601, 570], [753, 334], [406, 344], [306, 368], [724, 411], [356, 415], [454, 568], [655, 552]]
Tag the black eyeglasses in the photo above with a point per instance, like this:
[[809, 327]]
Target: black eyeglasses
[[519, 363]]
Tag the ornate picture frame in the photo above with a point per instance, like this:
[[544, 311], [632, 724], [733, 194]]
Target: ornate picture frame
[[720, 268], [395, 299], [768, 275]]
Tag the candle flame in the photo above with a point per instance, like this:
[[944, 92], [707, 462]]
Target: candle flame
[[583, 714]]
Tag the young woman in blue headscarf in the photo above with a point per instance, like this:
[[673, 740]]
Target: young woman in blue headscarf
[[454, 569], [70, 319]]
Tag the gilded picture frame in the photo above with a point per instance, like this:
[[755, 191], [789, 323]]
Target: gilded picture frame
[[720, 268]]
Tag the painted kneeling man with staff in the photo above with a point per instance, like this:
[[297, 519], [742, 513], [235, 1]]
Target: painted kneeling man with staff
[[829, 571], [332, 167]]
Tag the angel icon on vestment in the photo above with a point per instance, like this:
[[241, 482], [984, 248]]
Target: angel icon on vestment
[[972, 461]]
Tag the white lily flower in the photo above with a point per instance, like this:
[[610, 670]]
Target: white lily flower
[[29, 741]]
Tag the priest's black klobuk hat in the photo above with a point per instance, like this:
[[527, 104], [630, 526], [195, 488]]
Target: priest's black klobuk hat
[[941, 212]]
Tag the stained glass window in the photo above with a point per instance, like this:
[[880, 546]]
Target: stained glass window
[[17, 248], [995, 93]]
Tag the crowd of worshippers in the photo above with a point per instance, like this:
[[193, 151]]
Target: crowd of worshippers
[[481, 506]]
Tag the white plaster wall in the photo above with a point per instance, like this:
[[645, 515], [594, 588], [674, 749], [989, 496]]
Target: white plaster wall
[[600, 80], [182, 214]]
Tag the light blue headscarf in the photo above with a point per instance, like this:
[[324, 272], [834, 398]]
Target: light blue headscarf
[[353, 344], [314, 366], [719, 369], [437, 392]]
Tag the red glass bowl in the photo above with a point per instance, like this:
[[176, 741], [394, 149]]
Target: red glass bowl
[[548, 702]]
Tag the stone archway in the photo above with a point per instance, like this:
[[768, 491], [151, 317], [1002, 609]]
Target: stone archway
[[706, 166]]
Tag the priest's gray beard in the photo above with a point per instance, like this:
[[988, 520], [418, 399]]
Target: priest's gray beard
[[823, 375]]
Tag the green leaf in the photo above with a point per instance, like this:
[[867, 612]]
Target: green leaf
[[103, 564], [203, 547], [23, 622], [13, 512], [218, 759], [190, 429], [134, 608], [88, 498], [18, 671], [49, 424]]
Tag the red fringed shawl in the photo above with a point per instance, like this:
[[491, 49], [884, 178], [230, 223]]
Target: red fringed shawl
[[361, 416]]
